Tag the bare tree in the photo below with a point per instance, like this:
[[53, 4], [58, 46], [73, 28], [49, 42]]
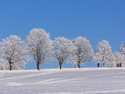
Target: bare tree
[[12, 52], [103, 52], [83, 51], [118, 58], [122, 49], [39, 46], [62, 50]]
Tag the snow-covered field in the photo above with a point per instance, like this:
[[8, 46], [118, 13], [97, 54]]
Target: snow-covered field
[[65, 81]]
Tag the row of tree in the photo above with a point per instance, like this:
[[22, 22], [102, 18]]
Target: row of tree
[[104, 55], [37, 47]]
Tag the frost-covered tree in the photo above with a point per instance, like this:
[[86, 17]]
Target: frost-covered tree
[[122, 49], [62, 50], [118, 58], [103, 52], [12, 53], [39, 46], [2, 67], [83, 51]]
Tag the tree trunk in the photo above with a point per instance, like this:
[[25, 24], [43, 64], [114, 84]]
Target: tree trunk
[[10, 66], [60, 64], [103, 58], [79, 61], [103, 64], [37, 66], [79, 65]]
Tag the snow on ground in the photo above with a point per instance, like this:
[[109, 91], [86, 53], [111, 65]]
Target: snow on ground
[[65, 81]]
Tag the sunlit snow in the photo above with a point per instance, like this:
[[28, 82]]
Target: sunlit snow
[[65, 81]]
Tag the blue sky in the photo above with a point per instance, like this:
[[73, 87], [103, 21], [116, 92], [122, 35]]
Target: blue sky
[[94, 19]]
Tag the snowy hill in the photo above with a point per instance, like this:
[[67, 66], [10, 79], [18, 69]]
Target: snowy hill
[[65, 81]]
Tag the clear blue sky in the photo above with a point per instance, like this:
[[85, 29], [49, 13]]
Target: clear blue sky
[[94, 19]]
